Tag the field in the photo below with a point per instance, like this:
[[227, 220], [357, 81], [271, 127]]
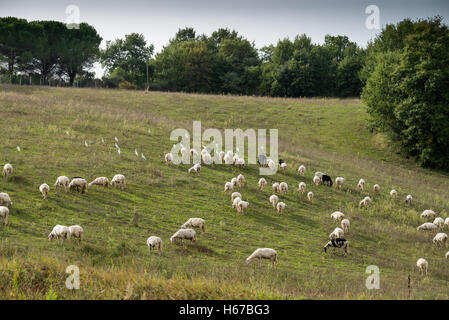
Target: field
[[328, 135]]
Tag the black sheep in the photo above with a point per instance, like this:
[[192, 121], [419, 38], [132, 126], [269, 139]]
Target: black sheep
[[327, 180]]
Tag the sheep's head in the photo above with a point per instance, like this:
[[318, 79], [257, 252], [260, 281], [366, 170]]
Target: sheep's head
[[51, 236], [248, 260]]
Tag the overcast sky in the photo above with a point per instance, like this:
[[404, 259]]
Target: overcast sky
[[261, 21]]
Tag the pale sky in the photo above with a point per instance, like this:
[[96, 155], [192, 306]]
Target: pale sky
[[261, 21]]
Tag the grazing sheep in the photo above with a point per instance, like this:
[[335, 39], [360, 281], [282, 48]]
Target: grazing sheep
[[59, 232], [240, 180], [62, 181], [408, 199], [262, 183], [194, 154], [428, 226], [439, 222], [271, 164], [338, 243], [337, 215], [394, 193], [235, 158], [422, 265], [339, 181], [235, 195], [280, 207], [264, 253], [78, 183], [119, 179], [76, 231], [283, 166], [302, 187], [366, 202], [316, 180], [301, 170], [319, 174], [242, 205], [228, 186], [235, 202], [276, 187], [376, 188], [168, 158], [327, 181], [196, 168], [262, 161], [310, 196], [154, 242], [44, 189], [430, 214], [274, 200], [227, 159], [195, 223], [234, 182], [182, 234], [5, 200], [446, 222], [361, 184], [337, 233], [221, 155], [184, 152], [345, 225], [4, 213], [207, 158], [440, 239], [283, 187], [101, 181], [7, 170], [240, 163]]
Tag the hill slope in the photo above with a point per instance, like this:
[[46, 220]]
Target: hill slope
[[327, 135]]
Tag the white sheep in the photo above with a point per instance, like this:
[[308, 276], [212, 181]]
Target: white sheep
[[316, 180], [5, 199], [428, 226], [271, 164], [196, 169], [376, 188], [7, 170], [76, 231], [339, 181], [4, 213], [263, 253], [440, 239], [119, 179], [240, 180], [59, 232], [227, 159], [337, 233], [228, 186], [366, 202], [235, 202], [283, 187], [422, 265], [345, 224], [207, 158], [447, 255], [240, 163], [276, 187], [78, 183], [195, 223], [283, 166], [280, 207], [194, 154], [310, 196], [319, 174], [302, 187], [44, 189], [221, 155], [242, 205], [154, 242], [235, 158], [361, 184], [235, 195], [301, 170], [62, 181], [446, 222], [101, 181], [408, 199], [168, 158], [182, 234], [274, 200], [262, 183], [430, 214], [337, 215], [439, 222], [184, 152], [234, 182], [394, 193]]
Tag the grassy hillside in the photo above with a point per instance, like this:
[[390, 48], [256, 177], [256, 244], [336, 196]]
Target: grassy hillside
[[327, 135]]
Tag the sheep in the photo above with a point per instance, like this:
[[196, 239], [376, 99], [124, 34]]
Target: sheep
[[327, 181], [376, 188], [338, 243], [446, 222], [440, 239], [302, 187], [76, 231], [221, 155], [235, 202], [339, 181], [366, 202], [235, 158], [361, 184], [234, 182], [168, 158], [4, 213], [439, 222], [422, 265], [345, 224], [119, 179], [7, 170], [101, 181], [263, 253], [337, 233], [227, 159], [240, 180], [271, 164], [154, 242], [262, 183], [274, 200], [337, 215], [310, 196], [44, 189], [62, 181], [283, 166], [59, 232], [428, 214], [280, 207], [447, 255], [195, 223], [196, 168], [228, 186], [184, 152], [240, 163], [316, 180], [194, 153], [319, 174], [5, 199], [408, 199], [283, 187], [182, 234], [206, 157], [428, 226], [78, 183], [394, 193], [241, 206], [235, 195], [302, 170], [276, 187]]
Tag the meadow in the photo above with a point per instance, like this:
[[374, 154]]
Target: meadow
[[327, 135]]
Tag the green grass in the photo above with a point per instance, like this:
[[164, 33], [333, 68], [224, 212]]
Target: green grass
[[327, 135]]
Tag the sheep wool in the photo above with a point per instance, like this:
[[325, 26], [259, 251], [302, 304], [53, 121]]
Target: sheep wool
[[7, 170], [337, 215], [4, 213], [154, 242], [302, 187], [302, 170], [62, 181], [262, 183], [310, 196], [263, 253], [274, 200], [183, 234], [44, 189], [5, 199], [195, 223], [280, 207], [422, 265]]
